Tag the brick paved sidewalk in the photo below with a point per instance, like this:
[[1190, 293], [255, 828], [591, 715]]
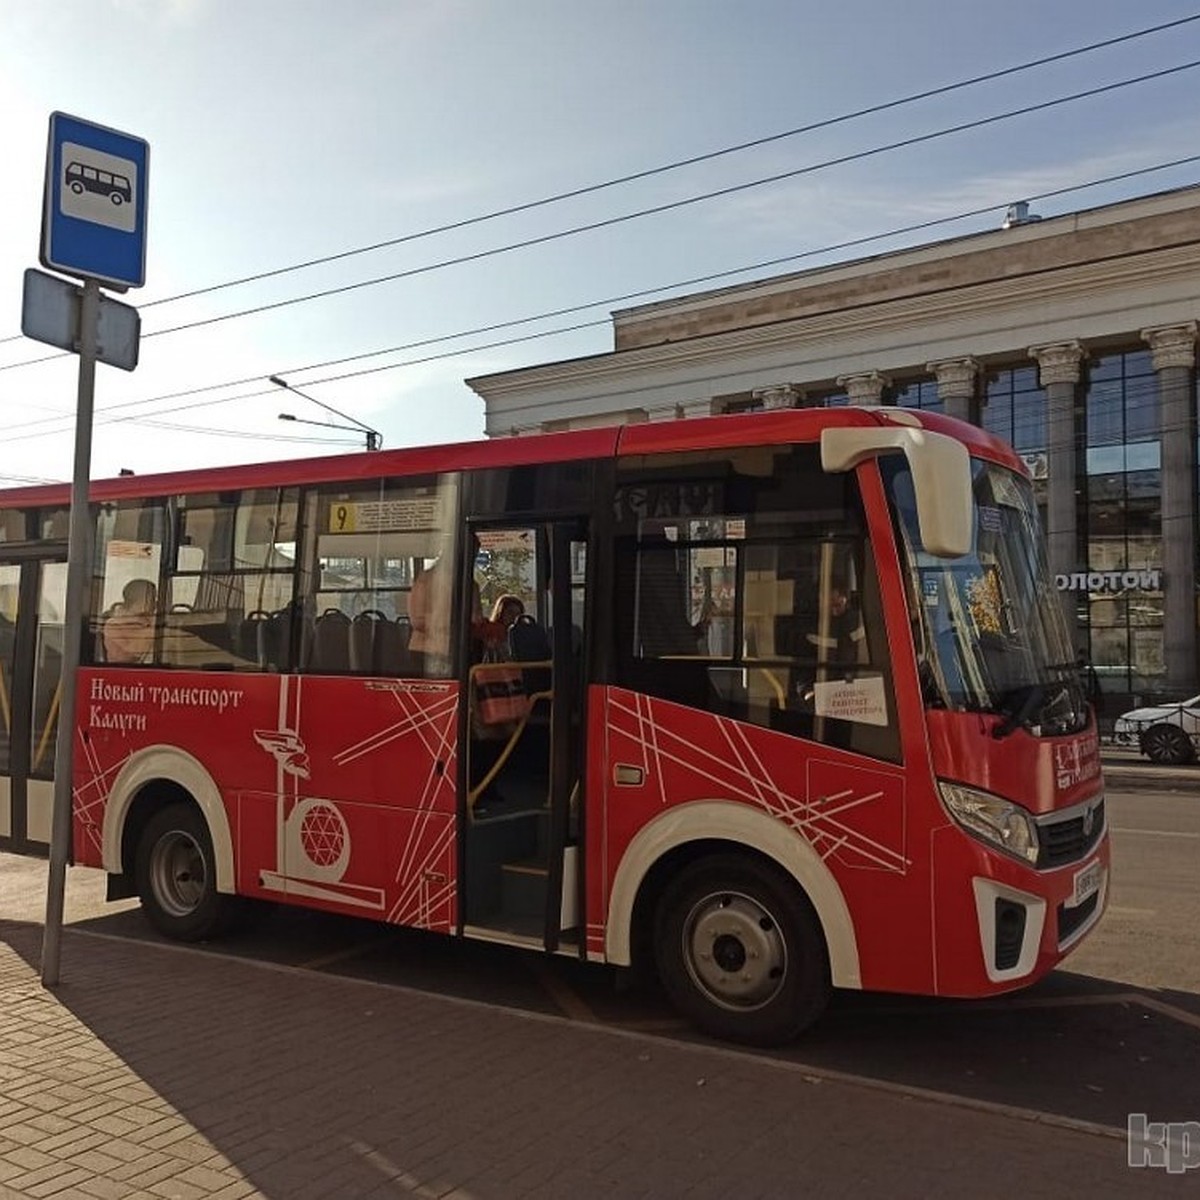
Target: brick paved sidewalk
[[157, 1073]]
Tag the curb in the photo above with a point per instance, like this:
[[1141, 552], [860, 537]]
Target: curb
[[1143, 776]]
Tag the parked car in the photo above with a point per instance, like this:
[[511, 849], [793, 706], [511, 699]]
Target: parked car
[[1164, 733]]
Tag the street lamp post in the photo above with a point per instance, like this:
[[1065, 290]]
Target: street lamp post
[[374, 438]]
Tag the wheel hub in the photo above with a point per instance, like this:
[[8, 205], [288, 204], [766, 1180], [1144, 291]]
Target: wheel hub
[[177, 874], [734, 950]]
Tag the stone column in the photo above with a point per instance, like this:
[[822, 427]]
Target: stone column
[[783, 395], [956, 386], [866, 389], [1174, 355], [1058, 371]]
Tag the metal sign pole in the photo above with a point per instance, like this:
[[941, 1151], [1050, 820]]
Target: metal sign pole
[[78, 549]]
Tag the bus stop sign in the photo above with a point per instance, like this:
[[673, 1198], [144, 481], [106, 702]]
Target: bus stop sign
[[94, 208]]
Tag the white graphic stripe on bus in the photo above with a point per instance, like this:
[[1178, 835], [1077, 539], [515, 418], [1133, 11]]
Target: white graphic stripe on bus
[[798, 812], [426, 815], [93, 825], [415, 904], [414, 898], [412, 722], [762, 772]]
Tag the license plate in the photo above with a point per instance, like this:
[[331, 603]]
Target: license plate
[[1087, 882]]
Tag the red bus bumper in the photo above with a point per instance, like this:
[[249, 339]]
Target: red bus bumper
[[1000, 925]]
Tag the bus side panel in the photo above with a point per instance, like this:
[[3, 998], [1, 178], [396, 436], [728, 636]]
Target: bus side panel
[[851, 810], [339, 792]]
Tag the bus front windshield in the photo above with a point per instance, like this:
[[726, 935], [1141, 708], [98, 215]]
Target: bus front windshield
[[990, 631]]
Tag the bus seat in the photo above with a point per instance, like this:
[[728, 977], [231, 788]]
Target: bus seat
[[404, 663], [370, 633], [251, 640], [275, 640], [529, 642], [331, 641]]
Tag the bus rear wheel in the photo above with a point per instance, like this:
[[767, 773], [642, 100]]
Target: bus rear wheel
[[176, 876], [740, 951]]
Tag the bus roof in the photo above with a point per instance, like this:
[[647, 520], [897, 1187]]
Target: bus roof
[[652, 437]]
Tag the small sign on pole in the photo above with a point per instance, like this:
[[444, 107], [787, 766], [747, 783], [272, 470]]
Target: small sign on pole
[[93, 228], [50, 313]]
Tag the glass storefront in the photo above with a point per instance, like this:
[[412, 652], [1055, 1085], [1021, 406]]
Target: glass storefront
[[1115, 589], [1120, 521], [1014, 408]]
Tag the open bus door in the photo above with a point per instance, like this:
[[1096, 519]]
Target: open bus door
[[522, 771], [33, 592]]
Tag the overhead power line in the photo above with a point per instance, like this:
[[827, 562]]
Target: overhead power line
[[607, 302], [670, 206], [617, 181], [679, 164], [733, 189]]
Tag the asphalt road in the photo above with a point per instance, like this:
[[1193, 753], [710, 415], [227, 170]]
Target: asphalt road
[[1115, 1030]]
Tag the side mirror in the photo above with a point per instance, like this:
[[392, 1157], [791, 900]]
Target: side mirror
[[941, 472]]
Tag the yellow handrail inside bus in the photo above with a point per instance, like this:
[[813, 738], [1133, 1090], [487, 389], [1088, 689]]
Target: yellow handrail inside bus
[[514, 736], [773, 680], [4, 702], [504, 754], [50, 719]]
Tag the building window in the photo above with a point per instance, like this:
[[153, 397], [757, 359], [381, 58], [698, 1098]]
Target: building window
[[836, 399], [1015, 409], [1122, 403], [1122, 520], [916, 393]]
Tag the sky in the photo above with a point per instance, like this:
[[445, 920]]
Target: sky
[[286, 131]]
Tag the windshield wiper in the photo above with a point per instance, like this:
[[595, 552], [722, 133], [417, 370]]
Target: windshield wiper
[[1041, 699], [1019, 715]]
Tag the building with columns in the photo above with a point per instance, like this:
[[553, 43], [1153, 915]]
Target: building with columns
[[1074, 338]]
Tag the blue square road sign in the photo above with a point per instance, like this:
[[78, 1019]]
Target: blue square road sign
[[94, 213]]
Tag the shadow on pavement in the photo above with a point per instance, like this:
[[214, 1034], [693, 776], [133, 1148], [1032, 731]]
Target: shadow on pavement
[[1073, 1046]]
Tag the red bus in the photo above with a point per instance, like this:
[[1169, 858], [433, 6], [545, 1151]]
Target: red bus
[[792, 704]]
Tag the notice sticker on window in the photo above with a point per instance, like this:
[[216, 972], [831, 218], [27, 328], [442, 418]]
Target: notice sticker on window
[[860, 700], [991, 520]]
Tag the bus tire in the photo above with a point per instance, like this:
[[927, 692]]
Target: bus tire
[[176, 875], [740, 951]]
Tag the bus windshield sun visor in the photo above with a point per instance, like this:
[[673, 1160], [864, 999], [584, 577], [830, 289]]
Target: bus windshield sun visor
[[941, 473]]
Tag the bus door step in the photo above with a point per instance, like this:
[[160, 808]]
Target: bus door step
[[523, 887]]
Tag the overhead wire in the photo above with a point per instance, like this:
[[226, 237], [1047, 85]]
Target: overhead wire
[[654, 210], [550, 314], [687, 201], [678, 164], [576, 308]]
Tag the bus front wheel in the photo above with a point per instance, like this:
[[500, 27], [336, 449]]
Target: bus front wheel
[[177, 876], [740, 951]]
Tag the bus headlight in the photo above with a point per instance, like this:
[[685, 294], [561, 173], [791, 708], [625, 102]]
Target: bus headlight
[[992, 820]]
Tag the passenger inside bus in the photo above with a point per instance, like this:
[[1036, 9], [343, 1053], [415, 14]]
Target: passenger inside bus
[[431, 615], [840, 638], [507, 609], [128, 631]]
